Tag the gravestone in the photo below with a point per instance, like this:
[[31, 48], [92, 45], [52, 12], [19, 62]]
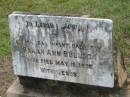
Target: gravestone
[[67, 49]]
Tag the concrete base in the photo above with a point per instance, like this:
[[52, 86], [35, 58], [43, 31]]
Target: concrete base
[[18, 90]]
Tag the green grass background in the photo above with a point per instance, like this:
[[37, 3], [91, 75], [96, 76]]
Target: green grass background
[[117, 10]]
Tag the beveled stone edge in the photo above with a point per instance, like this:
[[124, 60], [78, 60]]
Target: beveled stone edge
[[60, 15]]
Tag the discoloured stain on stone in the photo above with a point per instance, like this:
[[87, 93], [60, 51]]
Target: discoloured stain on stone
[[72, 49]]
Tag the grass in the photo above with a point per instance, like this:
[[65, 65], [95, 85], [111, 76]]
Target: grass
[[117, 10]]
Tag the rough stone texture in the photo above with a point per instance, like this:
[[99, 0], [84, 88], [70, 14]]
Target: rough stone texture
[[17, 90], [72, 49]]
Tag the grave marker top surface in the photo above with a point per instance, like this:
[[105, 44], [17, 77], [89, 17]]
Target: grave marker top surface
[[71, 49]]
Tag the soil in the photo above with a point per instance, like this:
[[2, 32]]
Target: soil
[[6, 76]]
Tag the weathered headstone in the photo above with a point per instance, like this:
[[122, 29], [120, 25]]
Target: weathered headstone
[[71, 49]]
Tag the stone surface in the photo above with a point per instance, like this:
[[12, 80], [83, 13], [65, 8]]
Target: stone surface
[[17, 90], [70, 49]]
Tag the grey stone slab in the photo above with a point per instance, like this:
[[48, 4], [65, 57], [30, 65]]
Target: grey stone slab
[[70, 49]]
